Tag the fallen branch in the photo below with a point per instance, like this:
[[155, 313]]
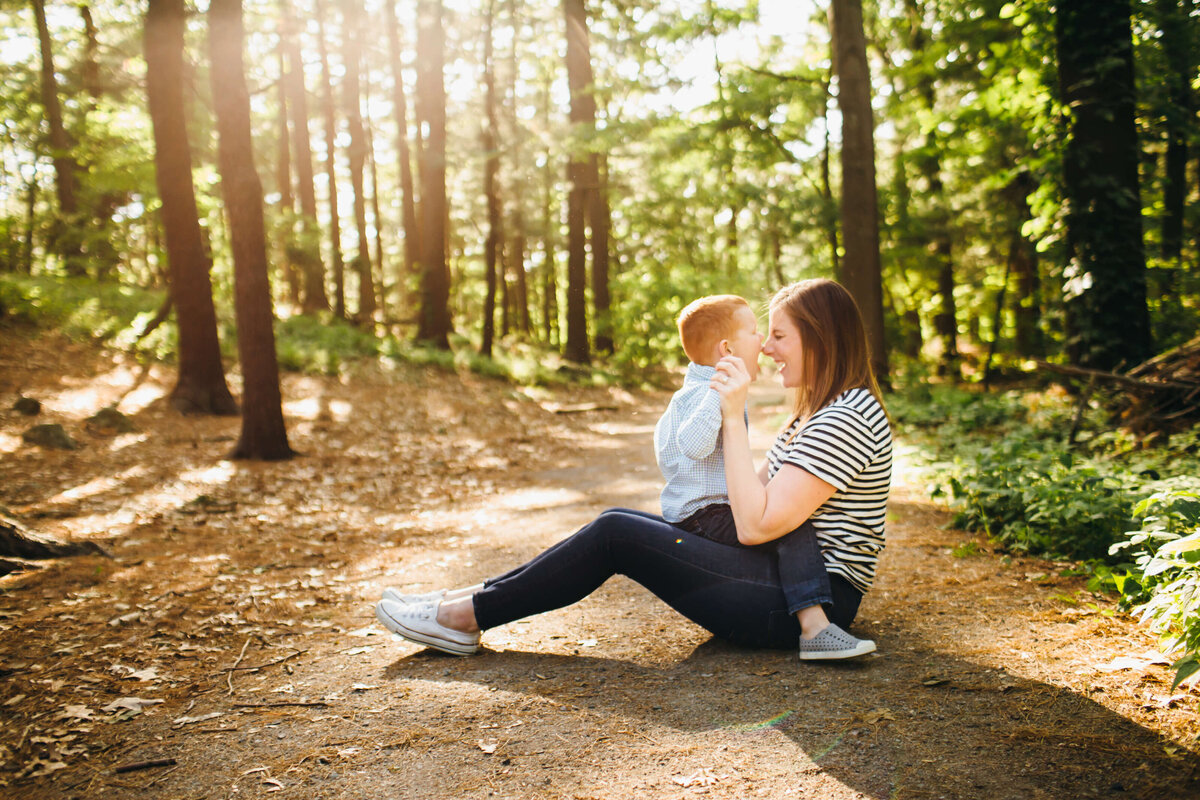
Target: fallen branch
[[1124, 380], [140, 765], [283, 704], [19, 542], [263, 666]]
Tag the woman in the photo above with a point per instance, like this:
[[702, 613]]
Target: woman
[[827, 474]]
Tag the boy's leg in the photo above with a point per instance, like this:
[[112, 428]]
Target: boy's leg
[[802, 569], [714, 523]]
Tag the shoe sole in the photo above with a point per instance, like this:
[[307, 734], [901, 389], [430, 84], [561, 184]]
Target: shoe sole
[[400, 629], [396, 597], [838, 655]]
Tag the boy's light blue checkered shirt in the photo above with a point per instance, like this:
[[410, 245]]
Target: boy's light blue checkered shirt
[[687, 444]]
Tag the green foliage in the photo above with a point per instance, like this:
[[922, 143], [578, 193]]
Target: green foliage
[[84, 308], [309, 344], [1166, 588], [1036, 496]]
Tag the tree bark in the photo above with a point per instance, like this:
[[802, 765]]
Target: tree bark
[[434, 321], [351, 95], [263, 435], [580, 178], [1106, 286], [330, 114], [308, 245], [283, 179], [66, 237], [491, 167], [201, 386], [861, 268], [403, 157], [1175, 24]]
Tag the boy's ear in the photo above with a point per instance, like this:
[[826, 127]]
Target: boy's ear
[[723, 347]]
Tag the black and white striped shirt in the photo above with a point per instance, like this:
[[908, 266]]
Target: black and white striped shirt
[[847, 444]]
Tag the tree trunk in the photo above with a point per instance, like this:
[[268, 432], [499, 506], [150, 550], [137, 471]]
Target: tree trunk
[[861, 269], [308, 245], [1174, 22], [66, 236], [830, 217], [516, 134], [263, 433], [201, 386], [283, 180], [937, 216], [491, 167], [580, 176], [335, 225], [1106, 286], [408, 199], [600, 220], [351, 43], [1027, 308], [434, 322]]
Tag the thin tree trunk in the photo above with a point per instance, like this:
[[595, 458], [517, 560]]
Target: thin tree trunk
[[1027, 308], [408, 201], [201, 386], [1175, 24], [308, 244], [30, 208], [938, 215], [263, 433], [861, 270], [335, 225], [491, 167], [434, 321], [66, 237], [600, 219], [351, 42], [517, 247], [830, 217], [283, 179], [380, 277], [580, 176]]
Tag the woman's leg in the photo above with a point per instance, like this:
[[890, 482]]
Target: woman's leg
[[732, 592]]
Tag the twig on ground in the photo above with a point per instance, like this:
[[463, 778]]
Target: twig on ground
[[314, 704], [140, 765], [241, 655], [264, 666]]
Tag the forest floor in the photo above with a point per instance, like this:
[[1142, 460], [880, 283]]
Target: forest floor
[[231, 633]]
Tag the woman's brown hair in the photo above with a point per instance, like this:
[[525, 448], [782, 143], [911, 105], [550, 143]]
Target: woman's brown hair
[[834, 341]]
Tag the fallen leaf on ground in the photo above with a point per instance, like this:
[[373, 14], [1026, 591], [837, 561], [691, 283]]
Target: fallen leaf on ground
[[77, 712], [702, 778], [200, 718], [488, 747], [135, 704]]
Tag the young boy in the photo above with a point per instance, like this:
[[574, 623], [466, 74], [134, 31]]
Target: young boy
[[687, 438]]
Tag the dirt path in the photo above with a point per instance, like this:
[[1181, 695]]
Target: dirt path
[[239, 601]]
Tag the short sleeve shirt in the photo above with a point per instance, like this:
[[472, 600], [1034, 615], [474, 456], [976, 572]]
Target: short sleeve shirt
[[847, 444]]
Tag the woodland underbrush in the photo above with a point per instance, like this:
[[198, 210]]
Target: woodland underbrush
[[1124, 514], [126, 318]]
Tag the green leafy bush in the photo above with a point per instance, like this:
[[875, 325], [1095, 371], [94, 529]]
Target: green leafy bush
[[1036, 496], [1165, 586]]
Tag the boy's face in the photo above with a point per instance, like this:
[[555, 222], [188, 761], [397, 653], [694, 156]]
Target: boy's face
[[746, 342]]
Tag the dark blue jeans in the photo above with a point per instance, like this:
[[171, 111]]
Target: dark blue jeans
[[801, 565], [735, 593]]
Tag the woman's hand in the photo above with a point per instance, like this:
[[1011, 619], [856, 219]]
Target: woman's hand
[[732, 383]]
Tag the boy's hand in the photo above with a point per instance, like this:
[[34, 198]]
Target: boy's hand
[[732, 382]]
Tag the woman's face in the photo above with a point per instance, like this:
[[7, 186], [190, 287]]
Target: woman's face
[[746, 341], [784, 346]]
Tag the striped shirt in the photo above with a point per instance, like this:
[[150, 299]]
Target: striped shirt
[[687, 445], [847, 444]]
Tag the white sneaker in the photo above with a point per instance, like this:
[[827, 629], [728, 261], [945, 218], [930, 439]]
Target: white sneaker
[[418, 623], [397, 597], [834, 643]]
